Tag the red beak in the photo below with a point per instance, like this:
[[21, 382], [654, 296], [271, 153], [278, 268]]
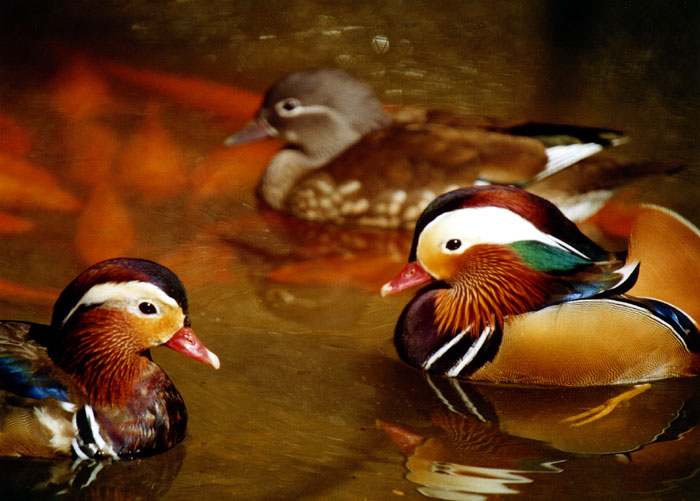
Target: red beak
[[186, 342], [413, 274]]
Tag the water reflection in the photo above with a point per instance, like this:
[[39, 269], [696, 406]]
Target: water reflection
[[471, 440], [307, 361], [302, 253], [145, 478]]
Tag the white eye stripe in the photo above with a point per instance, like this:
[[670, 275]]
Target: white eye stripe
[[477, 225], [319, 109], [134, 291]]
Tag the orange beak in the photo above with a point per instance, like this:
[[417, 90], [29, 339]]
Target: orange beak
[[186, 342], [413, 274]]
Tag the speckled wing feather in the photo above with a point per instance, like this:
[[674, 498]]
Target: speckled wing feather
[[373, 185]]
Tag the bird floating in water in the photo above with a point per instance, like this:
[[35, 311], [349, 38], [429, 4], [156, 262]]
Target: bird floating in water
[[349, 162], [86, 385], [518, 294]]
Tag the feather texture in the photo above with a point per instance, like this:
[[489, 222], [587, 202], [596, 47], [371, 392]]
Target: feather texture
[[349, 162], [86, 385], [555, 309], [491, 284], [668, 248]]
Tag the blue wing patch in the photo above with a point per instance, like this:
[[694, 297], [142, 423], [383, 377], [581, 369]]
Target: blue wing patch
[[26, 370], [19, 377]]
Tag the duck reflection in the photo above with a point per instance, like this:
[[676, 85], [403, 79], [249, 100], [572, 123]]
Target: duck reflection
[[310, 254], [144, 478], [302, 271], [484, 440]]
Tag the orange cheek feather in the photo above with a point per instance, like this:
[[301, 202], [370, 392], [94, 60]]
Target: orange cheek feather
[[488, 282]]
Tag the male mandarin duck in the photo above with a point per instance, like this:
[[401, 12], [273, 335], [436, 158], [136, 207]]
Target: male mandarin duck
[[86, 385], [349, 162], [520, 295]]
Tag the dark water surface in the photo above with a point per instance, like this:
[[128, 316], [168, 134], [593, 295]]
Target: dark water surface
[[311, 401]]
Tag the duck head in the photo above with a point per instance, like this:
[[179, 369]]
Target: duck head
[[500, 251], [318, 111], [109, 317]]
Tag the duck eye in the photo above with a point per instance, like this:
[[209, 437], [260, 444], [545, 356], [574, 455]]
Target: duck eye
[[453, 244], [147, 308], [290, 104], [286, 106]]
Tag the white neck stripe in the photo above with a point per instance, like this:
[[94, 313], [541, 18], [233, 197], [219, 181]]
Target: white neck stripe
[[471, 352], [443, 349]]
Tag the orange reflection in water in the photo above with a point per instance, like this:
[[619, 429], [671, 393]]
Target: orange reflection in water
[[13, 137], [119, 144], [105, 228], [10, 225], [151, 162], [229, 169], [118, 163], [27, 186], [222, 100], [78, 92], [90, 148]]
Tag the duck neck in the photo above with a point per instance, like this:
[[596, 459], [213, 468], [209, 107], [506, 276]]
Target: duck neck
[[281, 174], [101, 356], [496, 285], [335, 135], [153, 420]]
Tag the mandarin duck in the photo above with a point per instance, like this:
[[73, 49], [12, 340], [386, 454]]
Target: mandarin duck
[[520, 295], [86, 385], [349, 162]]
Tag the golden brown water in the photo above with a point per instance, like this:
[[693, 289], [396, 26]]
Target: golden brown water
[[311, 401]]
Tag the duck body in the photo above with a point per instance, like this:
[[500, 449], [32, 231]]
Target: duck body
[[518, 295], [85, 385], [349, 162]]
